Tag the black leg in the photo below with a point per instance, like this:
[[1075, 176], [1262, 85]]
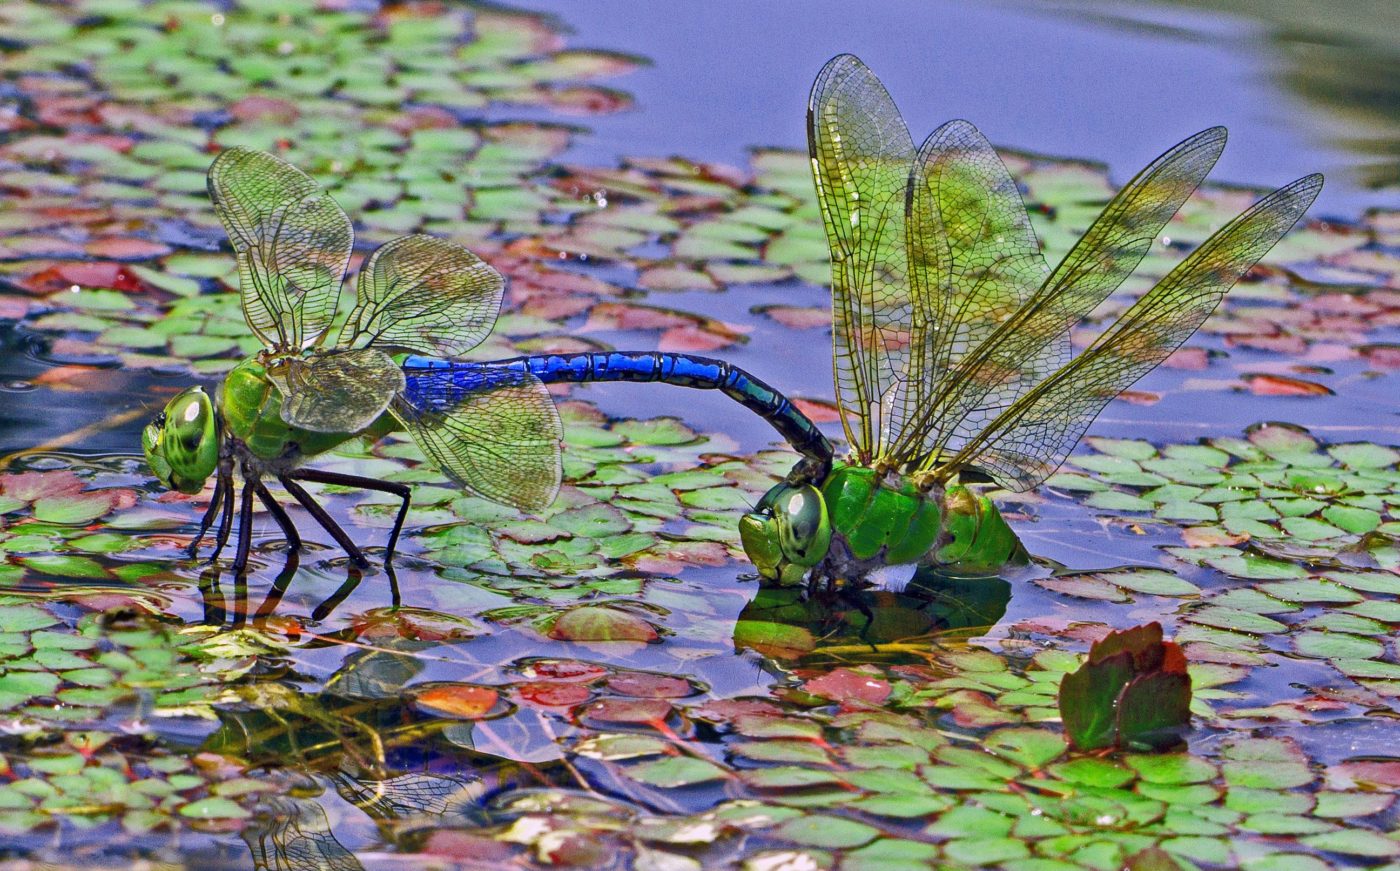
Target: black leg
[[245, 524], [333, 601], [400, 490], [324, 519], [280, 515], [215, 611], [223, 479], [226, 520], [279, 588]]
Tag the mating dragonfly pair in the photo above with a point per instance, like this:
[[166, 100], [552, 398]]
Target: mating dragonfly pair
[[951, 337]]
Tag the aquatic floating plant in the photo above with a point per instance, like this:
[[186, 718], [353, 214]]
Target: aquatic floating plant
[[490, 426], [1132, 692], [952, 333]]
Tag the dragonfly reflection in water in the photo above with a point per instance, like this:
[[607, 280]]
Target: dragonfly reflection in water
[[952, 333], [490, 426]]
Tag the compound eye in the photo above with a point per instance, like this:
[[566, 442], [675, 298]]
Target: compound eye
[[803, 527]]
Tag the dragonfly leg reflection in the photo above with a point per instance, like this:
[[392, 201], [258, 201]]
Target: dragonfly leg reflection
[[327, 522], [400, 490], [245, 523]]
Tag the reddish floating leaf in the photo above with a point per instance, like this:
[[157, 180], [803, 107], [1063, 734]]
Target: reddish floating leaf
[[847, 685], [563, 669], [30, 486], [1282, 385], [259, 108], [650, 686], [457, 700], [1189, 358], [630, 711], [455, 844], [554, 695], [798, 317], [126, 248], [65, 275], [726, 710], [601, 623], [819, 410]]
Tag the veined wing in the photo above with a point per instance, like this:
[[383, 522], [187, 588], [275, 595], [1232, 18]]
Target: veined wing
[[861, 153], [1034, 341], [973, 261], [424, 295], [494, 431], [337, 391], [1028, 441], [293, 834], [292, 242]]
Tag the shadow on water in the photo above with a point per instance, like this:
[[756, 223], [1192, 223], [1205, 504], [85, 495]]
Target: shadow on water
[[871, 625]]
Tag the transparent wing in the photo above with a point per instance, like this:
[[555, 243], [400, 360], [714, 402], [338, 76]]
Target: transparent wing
[[293, 834], [973, 261], [409, 795], [341, 391], [424, 295], [861, 154], [496, 433], [1027, 442], [292, 242], [1034, 342]]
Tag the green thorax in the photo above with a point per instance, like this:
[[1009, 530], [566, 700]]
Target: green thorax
[[888, 518], [250, 406]]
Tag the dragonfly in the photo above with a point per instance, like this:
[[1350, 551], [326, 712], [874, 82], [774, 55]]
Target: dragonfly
[[951, 333], [421, 302]]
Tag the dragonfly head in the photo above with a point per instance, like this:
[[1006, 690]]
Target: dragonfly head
[[788, 533], [182, 443]]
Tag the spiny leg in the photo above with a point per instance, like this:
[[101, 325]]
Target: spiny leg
[[226, 520], [280, 515], [245, 524], [400, 490], [223, 479], [326, 521]]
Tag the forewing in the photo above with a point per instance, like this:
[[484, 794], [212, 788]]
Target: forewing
[[1032, 438], [973, 261], [496, 432], [292, 242], [861, 154], [1034, 342], [342, 391], [425, 295]]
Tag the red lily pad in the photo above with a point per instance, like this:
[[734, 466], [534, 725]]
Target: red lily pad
[[456, 700], [1283, 385], [848, 685], [31, 486], [629, 711], [563, 670], [601, 623], [547, 694], [650, 686]]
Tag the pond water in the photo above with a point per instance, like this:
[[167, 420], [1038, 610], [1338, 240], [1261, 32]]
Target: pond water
[[604, 684]]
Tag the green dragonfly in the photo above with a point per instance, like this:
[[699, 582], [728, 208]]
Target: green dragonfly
[[952, 334], [490, 426]]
